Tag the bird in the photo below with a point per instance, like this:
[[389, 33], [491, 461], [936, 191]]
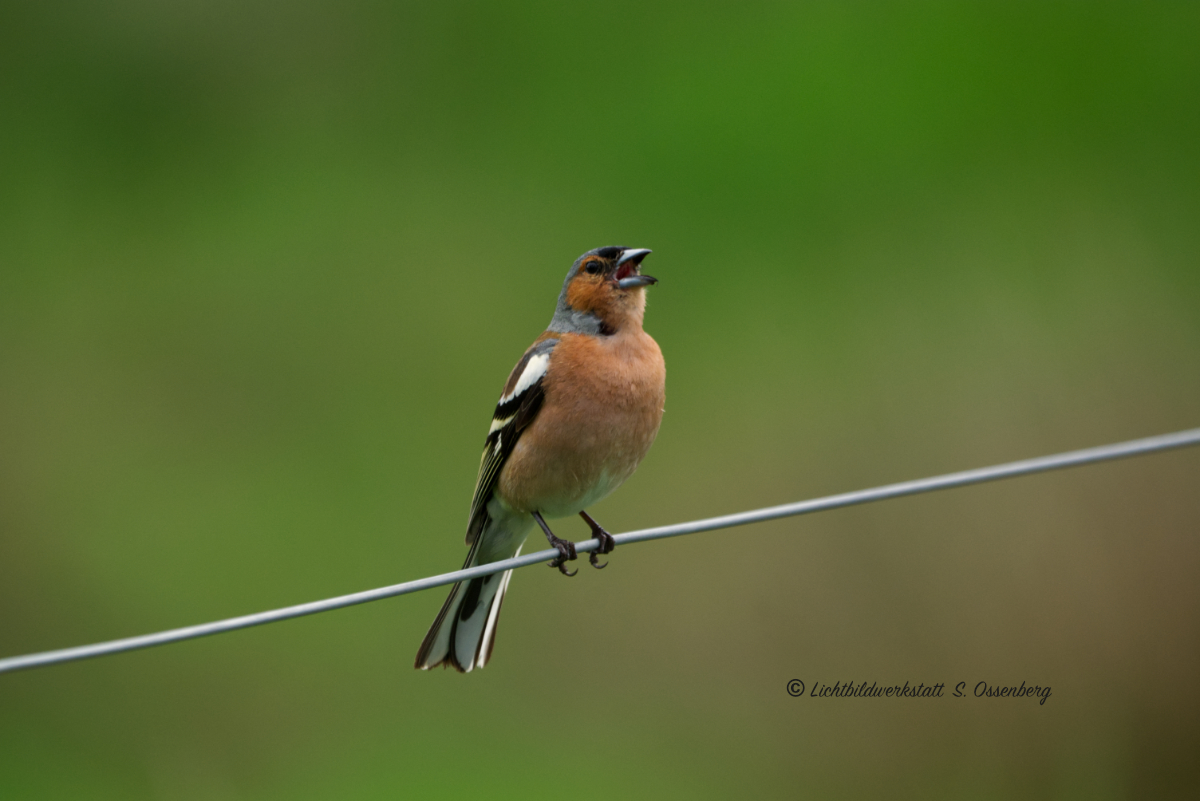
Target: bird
[[577, 415]]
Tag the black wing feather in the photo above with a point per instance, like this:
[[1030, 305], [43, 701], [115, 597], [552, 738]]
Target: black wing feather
[[518, 412]]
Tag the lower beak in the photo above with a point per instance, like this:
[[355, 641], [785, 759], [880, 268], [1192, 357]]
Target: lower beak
[[636, 281]]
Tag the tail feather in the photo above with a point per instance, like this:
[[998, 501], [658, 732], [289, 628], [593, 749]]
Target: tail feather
[[489, 631], [464, 632]]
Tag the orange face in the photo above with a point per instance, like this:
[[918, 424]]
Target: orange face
[[595, 289]]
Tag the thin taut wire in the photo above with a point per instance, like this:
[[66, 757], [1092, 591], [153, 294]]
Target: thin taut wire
[[1102, 453]]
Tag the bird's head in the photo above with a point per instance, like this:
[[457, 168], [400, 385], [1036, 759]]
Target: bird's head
[[603, 293]]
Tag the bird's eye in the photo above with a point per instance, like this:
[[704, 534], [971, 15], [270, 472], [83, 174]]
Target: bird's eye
[[592, 267]]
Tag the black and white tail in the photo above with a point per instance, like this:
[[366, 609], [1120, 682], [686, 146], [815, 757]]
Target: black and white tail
[[464, 632]]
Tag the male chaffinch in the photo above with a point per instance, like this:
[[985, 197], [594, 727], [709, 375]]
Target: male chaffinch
[[578, 413]]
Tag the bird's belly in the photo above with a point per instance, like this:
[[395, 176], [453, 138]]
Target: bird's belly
[[563, 501]]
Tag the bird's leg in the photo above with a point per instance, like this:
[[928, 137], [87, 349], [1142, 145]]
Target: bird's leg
[[565, 548], [607, 543]]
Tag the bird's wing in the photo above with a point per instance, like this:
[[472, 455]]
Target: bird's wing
[[517, 408]]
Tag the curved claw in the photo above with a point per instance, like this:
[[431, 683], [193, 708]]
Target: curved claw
[[605, 541], [561, 567], [566, 550]]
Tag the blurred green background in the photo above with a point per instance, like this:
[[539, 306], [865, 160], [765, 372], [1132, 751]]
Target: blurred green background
[[264, 268]]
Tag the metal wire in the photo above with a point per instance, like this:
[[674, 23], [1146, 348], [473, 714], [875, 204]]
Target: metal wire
[[1119, 450]]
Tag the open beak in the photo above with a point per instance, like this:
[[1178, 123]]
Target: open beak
[[628, 275]]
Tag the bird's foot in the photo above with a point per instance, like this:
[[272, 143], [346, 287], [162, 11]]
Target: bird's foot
[[607, 542], [565, 548]]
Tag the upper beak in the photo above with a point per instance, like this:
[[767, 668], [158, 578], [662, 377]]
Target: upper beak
[[634, 255], [627, 265]]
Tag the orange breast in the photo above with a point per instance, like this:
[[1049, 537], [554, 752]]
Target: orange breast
[[603, 406]]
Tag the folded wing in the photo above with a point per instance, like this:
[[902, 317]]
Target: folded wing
[[517, 408]]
